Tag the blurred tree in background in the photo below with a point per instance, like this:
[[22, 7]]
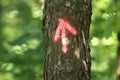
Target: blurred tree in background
[[21, 39]]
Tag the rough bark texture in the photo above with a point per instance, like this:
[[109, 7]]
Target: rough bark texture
[[118, 57], [75, 65]]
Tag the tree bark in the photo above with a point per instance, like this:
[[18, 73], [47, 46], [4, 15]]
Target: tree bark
[[76, 63]]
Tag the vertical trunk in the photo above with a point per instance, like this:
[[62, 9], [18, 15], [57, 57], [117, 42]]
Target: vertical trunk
[[118, 57], [75, 64]]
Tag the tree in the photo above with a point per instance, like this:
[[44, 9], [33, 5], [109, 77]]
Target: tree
[[118, 58], [69, 60]]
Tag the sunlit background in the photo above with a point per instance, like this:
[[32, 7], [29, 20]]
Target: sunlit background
[[21, 56]]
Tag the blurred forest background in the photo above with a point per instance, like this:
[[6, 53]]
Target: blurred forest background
[[21, 53]]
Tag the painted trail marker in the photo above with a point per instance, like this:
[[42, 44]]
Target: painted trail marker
[[61, 32]]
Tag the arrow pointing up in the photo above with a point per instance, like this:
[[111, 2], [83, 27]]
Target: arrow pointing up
[[61, 30]]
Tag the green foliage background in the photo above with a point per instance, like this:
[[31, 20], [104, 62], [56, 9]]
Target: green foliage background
[[21, 40], [21, 56], [103, 38]]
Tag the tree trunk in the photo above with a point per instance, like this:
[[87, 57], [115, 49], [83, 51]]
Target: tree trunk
[[74, 63], [118, 58]]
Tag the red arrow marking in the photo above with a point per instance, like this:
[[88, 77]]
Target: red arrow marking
[[63, 25]]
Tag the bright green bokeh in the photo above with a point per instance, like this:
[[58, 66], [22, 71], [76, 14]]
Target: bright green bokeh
[[21, 56]]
